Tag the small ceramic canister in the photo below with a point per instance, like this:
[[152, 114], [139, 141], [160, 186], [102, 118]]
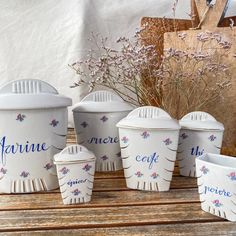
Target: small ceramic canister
[[75, 169], [33, 124], [217, 184], [148, 140], [200, 133], [95, 123]]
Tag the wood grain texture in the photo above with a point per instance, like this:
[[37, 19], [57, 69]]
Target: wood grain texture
[[102, 217], [99, 199], [224, 110], [184, 229]]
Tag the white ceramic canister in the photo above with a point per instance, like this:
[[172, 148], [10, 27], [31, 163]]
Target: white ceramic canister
[[148, 140], [200, 133], [217, 184], [95, 119], [75, 169], [33, 127]]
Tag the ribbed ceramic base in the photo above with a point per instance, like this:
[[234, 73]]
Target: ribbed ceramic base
[[160, 186], [30, 185], [108, 166]]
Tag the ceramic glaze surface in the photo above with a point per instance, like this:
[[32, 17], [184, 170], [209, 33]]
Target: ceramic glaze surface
[[28, 141], [98, 133], [200, 133], [75, 176], [148, 157], [217, 185]]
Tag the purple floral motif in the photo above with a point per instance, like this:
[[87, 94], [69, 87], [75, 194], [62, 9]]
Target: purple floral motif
[[104, 119], [124, 139], [3, 171], [138, 174], [48, 166], [20, 117], [64, 170], [204, 170], [212, 138], [24, 174], [154, 175], [54, 123], [76, 192], [232, 176], [217, 203], [87, 167], [104, 157], [167, 141], [118, 154], [84, 124], [183, 135], [145, 134]]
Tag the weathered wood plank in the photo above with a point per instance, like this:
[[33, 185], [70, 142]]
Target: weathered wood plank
[[102, 217], [119, 184], [189, 229], [99, 199]]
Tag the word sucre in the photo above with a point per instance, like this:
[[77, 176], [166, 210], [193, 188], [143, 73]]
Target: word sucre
[[105, 140], [12, 149]]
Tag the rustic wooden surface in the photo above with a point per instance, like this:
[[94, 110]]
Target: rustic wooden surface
[[114, 210]]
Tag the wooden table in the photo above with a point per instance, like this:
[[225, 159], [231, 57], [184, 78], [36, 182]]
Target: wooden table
[[114, 210]]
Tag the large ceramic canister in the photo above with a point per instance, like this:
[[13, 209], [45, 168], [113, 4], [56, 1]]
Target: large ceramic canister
[[148, 141], [200, 133], [33, 127], [95, 120]]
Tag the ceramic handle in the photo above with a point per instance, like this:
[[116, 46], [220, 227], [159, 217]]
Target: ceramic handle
[[73, 149]]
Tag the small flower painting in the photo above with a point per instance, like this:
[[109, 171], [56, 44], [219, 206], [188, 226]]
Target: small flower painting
[[76, 192], [3, 171], [104, 158], [212, 138], [145, 135], [125, 139], [204, 170], [64, 170], [217, 203], [104, 119], [54, 123], [87, 167], [20, 117], [138, 174], [232, 176], [24, 174], [84, 124], [154, 175], [183, 135], [167, 141], [48, 166]]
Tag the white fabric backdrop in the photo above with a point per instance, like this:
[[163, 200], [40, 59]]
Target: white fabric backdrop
[[38, 39]]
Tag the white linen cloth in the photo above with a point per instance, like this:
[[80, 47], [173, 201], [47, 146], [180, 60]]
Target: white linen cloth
[[38, 39]]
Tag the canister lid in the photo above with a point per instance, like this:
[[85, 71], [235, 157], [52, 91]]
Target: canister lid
[[31, 94], [199, 120], [102, 101], [74, 153], [149, 117]]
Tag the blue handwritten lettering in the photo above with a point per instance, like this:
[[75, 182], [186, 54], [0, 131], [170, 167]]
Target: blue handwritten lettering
[[77, 181], [221, 192], [105, 140], [19, 148], [196, 151], [151, 159]]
